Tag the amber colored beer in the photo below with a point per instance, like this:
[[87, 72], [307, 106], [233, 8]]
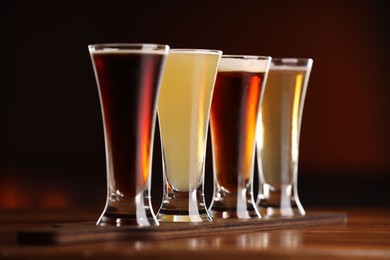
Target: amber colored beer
[[233, 117], [233, 121]]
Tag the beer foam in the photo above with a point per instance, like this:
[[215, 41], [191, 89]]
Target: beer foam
[[291, 64], [195, 51], [124, 48], [248, 64], [116, 51], [288, 67]]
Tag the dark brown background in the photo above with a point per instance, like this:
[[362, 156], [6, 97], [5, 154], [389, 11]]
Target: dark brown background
[[51, 137]]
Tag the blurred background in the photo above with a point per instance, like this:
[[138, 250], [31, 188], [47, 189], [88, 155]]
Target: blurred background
[[51, 136]]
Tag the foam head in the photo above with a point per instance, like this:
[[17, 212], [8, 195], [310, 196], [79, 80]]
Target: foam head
[[244, 63]]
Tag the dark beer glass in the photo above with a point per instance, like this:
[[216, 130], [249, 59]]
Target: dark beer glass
[[233, 120], [128, 77]]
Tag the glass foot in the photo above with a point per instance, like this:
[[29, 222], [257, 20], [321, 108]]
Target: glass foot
[[126, 212], [279, 202], [232, 206], [183, 207]]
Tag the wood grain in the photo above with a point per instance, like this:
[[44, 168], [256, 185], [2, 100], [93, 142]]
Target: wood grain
[[88, 232]]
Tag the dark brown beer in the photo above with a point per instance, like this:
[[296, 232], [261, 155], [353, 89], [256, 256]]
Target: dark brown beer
[[233, 120], [128, 85]]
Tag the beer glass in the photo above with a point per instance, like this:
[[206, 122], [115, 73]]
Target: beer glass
[[128, 77], [233, 119], [278, 136], [183, 112]]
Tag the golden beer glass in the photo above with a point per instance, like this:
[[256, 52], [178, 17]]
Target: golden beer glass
[[278, 136]]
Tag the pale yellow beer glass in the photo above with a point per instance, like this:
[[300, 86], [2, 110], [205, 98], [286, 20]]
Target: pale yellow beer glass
[[278, 136], [183, 112]]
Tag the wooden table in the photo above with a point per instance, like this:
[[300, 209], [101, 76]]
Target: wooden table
[[366, 235]]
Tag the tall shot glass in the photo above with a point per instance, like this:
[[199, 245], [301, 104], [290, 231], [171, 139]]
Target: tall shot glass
[[233, 119], [183, 112], [278, 136], [128, 77]]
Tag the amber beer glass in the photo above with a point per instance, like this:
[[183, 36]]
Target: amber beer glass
[[128, 78], [233, 120], [278, 136]]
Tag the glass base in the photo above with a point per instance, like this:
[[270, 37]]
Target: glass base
[[175, 216], [128, 213], [232, 213], [269, 211], [183, 207], [279, 202], [231, 206]]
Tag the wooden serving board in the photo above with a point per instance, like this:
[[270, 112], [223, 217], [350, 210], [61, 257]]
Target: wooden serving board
[[87, 232]]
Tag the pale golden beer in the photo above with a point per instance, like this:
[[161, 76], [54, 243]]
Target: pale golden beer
[[183, 111], [278, 136]]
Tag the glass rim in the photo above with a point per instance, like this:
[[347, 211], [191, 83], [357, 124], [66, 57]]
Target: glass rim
[[190, 50], [291, 60], [246, 57], [133, 47], [291, 63]]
